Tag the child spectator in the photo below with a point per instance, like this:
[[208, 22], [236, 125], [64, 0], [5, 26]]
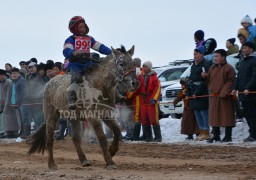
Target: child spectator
[[247, 23], [188, 123], [199, 38]]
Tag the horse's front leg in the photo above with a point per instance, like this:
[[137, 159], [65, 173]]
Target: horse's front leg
[[114, 147], [76, 137], [97, 125]]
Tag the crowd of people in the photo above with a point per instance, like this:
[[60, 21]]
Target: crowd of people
[[208, 95]]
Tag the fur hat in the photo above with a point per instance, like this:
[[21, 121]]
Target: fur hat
[[148, 64], [22, 62], [41, 66], [199, 34], [250, 45], [247, 19], [232, 40], [2, 72], [200, 49]]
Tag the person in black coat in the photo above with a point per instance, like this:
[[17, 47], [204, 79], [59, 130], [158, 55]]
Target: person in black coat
[[245, 84], [197, 87]]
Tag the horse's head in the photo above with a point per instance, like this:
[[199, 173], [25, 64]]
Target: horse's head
[[125, 69]]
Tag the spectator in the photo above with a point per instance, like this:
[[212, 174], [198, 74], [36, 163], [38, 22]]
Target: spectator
[[57, 68], [188, 123], [35, 94], [220, 78], [8, 69], [50, 62], [246, 83], [210, 45], [33, 60], [23, 65], [247, 23], [42, 73], [150, 90], [19, 99], [135, 98], [49, 71], [199, 38], [197, 87], [11, 125], [231, 46]]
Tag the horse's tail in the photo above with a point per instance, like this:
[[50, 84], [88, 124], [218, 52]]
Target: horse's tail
[[38, 141]]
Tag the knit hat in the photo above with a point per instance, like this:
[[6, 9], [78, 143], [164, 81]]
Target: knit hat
[[41, 66], [148, 64], [199, 34], [247, 19], [2, 72], [243, 32], [250, 45], [200, 49], [232, 40]]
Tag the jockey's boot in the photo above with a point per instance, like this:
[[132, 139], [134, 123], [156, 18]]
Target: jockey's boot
[[216, 135], [157, 132], [228, 135], [71, 99], [62, 129], [136, 132]]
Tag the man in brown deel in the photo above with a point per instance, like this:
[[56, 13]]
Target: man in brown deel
[[220, 78]]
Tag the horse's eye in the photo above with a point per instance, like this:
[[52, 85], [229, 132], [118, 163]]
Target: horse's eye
[[121, 64]]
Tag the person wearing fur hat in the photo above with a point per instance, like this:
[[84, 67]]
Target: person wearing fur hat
[[231, 46], [11, 125], [149, 91], [57, 68], [199, 38], [247, 23], [42, 73], [77, 50]]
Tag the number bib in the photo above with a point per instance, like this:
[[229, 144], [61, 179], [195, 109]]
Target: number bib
[[83, 43]]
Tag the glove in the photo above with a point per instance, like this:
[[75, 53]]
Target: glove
[[152, 101]]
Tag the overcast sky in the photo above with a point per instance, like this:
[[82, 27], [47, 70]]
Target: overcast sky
[[161, 31]]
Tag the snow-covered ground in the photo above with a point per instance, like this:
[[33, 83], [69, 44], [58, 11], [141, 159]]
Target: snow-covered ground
[[170, 129]]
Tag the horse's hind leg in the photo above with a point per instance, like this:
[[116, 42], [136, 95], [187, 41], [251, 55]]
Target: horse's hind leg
[[97, 125], [76, 137], [51, 120], [114, 147]]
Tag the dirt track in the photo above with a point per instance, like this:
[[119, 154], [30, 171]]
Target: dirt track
[[135, 161]]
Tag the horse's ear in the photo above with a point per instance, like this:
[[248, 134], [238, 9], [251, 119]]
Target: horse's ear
[[114, 52], [131, 51]]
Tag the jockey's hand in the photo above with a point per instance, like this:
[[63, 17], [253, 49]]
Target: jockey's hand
[[152, 101]]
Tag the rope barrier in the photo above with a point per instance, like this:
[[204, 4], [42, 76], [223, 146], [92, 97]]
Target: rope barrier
[[168, 102]]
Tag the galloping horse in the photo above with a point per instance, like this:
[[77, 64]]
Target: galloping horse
[[117, 68]]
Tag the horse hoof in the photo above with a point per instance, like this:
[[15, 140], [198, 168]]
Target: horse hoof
[[111, 167], [53, 167], [86, 163]]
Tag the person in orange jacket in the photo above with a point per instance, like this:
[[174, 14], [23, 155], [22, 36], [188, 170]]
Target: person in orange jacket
[[150, 90]]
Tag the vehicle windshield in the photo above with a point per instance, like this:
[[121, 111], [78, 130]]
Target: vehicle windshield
[[171, 75]]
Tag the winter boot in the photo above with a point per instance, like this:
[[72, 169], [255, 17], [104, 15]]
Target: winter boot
[[148, 133], [228, 135], [216, 135], [143, 137], [71, 100], [157, 132], [204, 136], [136, 132], [190, 137]]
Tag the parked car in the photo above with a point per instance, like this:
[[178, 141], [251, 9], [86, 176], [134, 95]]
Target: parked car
[[171, 92], [171, 73]]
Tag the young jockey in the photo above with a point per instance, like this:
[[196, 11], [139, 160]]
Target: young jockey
[[77, 50]]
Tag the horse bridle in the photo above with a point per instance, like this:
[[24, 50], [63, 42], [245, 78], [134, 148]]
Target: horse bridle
[[126, 73]]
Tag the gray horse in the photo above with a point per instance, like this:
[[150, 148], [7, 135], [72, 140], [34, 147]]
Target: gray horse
[[117, 68]]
